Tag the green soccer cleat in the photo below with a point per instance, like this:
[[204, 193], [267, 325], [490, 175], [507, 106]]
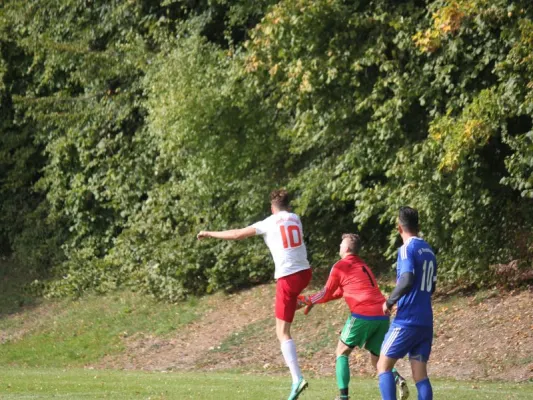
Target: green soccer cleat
[[403, 390], [297, 389], [342, 398]]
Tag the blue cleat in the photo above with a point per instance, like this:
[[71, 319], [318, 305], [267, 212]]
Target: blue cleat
[[297, 389]]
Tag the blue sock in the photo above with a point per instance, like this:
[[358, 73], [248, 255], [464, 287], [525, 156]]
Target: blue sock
[[425, 391], [387, 385]]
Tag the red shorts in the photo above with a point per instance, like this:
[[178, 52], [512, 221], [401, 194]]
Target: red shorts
[[287, 290]]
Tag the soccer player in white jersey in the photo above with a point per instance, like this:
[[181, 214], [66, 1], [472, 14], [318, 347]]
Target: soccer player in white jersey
[[283, 234]]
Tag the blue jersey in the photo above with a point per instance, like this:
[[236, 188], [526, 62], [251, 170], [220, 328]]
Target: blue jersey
[[414, 308]]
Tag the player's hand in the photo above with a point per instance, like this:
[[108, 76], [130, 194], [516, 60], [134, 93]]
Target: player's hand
[[202, 234], [386, 310], [304, 301]]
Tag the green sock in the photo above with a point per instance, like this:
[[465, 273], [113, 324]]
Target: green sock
[[396, 374], [342, 368]]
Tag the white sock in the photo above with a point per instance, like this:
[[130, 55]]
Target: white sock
[[288, 349]]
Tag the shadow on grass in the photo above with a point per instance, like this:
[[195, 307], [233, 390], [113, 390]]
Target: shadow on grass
[[14, 294]]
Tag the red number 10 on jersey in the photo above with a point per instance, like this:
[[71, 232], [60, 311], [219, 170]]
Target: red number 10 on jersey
[[291, 236]]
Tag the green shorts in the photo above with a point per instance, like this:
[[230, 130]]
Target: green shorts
[[364, 333]]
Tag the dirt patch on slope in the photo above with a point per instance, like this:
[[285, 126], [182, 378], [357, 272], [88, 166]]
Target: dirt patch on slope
[[485, 337], [224, 315], [488, 336]]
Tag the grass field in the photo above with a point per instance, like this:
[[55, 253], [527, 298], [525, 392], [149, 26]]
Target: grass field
[[72, 333], [45, 345], [49, 383]]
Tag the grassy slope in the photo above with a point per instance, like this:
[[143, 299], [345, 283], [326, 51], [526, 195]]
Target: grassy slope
[[48, 383], [39, 336], [77, 332]]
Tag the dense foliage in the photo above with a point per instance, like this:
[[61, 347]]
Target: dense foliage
[[128, 126]]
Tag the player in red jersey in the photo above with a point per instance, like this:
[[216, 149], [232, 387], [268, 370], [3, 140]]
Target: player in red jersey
[[367, 325]]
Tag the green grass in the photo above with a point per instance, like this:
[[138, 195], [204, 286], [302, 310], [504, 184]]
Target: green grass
[[46, 383], [43, 344], [329, 335], [77, 332], [327, 322]]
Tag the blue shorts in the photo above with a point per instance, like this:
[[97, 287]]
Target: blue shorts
[[415, 341]]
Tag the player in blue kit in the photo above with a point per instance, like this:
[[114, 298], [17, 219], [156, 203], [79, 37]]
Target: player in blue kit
[[412, 330]]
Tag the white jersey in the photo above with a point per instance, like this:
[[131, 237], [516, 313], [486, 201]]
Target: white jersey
[[283, 234]]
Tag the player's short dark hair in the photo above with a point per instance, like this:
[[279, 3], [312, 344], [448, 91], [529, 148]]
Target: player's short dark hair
[[408, 219], [354, 242], [280, 199]]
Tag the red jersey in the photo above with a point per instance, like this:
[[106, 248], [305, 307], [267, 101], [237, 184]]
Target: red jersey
[[352, 279]]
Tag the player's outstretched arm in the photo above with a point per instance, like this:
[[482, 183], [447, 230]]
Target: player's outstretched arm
[[232, 234], [327, 294], [331, 291]]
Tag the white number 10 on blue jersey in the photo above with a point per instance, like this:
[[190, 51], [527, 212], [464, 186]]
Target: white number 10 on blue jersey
[[427, 279]]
